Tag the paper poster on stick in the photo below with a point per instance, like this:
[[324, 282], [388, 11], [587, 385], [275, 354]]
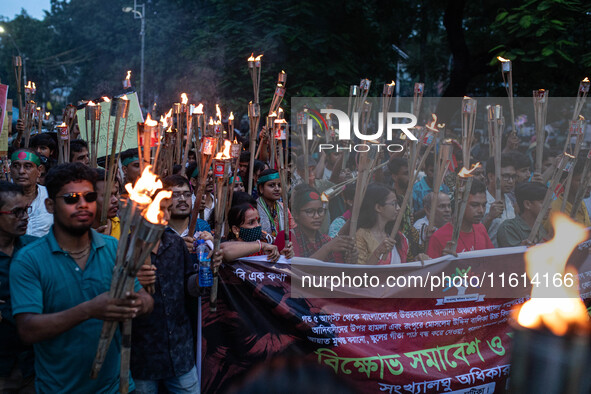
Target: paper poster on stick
[[6, 128], [130, 138], [3, 97]]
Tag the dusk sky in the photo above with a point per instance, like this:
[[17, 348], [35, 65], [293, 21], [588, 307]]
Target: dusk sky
[[10, 8]]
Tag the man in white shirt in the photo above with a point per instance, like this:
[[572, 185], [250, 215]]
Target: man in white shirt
[[24, 171], [499, 211], [442, 215]]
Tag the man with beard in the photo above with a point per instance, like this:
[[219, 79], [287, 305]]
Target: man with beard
[[16, 359], [473, 235], [442, 216], [59, 286], [24, 170], [180, 209], [113, 225], [515, 232]]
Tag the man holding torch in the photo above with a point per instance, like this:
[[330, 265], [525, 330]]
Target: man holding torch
[[473, 235], [59, 286]]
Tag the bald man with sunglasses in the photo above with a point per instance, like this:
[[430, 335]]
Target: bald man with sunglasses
[[59, 286]]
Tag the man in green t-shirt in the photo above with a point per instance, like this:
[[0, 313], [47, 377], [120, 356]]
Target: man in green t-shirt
[[59, 289]]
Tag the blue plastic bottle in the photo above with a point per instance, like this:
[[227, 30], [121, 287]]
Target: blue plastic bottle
[[205, 275]]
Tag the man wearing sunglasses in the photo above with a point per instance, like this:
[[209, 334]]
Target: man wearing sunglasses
[[16, 358], [24, 171], [59, 288]]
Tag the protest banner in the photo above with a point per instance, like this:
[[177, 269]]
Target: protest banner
[[446, 339], [130, 141]]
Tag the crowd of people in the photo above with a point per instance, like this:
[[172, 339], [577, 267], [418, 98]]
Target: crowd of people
[[57, 256]]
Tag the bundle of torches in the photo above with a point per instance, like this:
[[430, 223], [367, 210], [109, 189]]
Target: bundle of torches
[[160, 145]]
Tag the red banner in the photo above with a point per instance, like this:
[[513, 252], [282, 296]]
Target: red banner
[[454, 339]]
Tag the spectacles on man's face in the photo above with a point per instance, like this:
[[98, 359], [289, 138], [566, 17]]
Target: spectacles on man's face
[[311, 212], [73, 198], [18, 212], [177, 195]]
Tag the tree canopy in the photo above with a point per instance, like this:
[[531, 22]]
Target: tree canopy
[[83, 48]]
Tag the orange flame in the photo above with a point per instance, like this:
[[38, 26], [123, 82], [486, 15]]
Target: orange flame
[[63, 125], [184, 98], [586, 80], [564, 308], [464, 173], [218, 112], [106, 99], [128, 75], [144, 187], [91, 103], [150, 122], [231, 117], [30, 86], [392, 84], [124, 98], [258, 58], [502, 59], [225, 154], [153, 214], [47, 113], [198, 109], [251, 58]]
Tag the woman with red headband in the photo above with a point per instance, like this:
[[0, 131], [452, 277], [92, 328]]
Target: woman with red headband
[[309, 212]]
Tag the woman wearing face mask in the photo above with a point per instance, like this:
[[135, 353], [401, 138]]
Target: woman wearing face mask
[[268, 204], [308, 241], [246, 237], [379, 210]]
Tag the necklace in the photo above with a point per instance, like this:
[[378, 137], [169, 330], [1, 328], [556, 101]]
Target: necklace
[[78, 254]]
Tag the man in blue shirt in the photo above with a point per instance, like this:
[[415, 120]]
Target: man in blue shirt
[[16, 358], [59, 288], [424, 187]]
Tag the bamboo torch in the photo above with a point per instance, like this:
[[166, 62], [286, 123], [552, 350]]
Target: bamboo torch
[[496, 123], [468, 123], [443, 161], [462, 193], [93, 122], [575, 130], [540, 97], [221, 173], [280, 135], [564, 165], [507, 73]]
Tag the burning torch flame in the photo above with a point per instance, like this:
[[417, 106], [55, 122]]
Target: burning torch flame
[[184, 98], [150, 122], [144, 187], [128, 75], [198, 109], [251, 58], [153, 214], [231, 117], [91, 103], [210, 121], [586, 80], [218, 112], [502, 59], [324, 197], [225, 154], [433, 126], [392, 84], [63, 125], [258, 58], [464, 173], [565, 308], [106, 99]]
